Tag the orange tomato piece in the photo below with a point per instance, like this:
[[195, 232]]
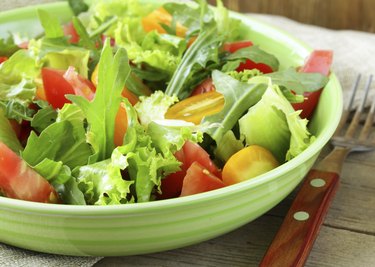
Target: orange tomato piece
[[156, 18], [121, 125]]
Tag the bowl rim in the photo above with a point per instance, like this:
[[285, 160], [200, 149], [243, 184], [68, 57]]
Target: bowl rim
[[48, 209]]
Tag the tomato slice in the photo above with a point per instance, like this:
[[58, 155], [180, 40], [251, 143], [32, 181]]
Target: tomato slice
[[233, 47], [18, 180], [205, 87], [195, 108], [2, 59], [58, 83], [56, 87], [71, 32], [171, 185], [81, 86], [319, 61], [198, 180], [247, 163], [248, 64]]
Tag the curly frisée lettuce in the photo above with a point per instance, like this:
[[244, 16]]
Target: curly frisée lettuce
[[288, 137]]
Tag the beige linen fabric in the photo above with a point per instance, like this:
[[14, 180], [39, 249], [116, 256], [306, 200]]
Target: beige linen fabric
[[354, 53]]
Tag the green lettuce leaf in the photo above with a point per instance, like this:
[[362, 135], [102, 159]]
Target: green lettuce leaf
[[101, 112], [51, 25], [275, 125], [17, 87], [154, 107], [238, 98], [102, 182]]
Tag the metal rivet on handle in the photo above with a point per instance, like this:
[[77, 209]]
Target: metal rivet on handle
[[317, 182], [301, 216]]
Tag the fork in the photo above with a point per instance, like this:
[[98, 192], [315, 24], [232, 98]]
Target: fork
[[295, 238]]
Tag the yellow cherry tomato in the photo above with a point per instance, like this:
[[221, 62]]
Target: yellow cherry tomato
[[194, 108], [248, 163]]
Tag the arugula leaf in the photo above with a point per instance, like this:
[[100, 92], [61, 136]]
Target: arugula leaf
[[299, 82], [44, 118], [238, 98], [61, 141], [195, 59], [102, 111], [186, 15], [8, 47], [7, 134], [60, 177], [78, 6], [255, 54]]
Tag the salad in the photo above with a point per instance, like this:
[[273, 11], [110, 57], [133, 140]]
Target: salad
[[132, 102]]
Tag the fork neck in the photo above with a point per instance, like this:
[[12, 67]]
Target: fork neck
[[333, 161]]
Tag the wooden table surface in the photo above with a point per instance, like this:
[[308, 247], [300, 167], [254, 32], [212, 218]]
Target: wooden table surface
[[347, 237]]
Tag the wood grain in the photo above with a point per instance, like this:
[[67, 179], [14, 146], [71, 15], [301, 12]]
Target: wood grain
[[334, 14]]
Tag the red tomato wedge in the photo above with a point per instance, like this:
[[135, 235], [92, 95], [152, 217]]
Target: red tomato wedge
[[205, 87], [18, 180], [198, 180], [171, 185], [58, 83], [319, 61], [71, 32], [2, 59], [248, 64], [56, 87], [233, 47]]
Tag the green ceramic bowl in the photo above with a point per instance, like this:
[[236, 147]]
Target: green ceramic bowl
[[167, 224]]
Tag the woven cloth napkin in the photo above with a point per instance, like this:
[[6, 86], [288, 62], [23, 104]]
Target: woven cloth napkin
[[353, 53]]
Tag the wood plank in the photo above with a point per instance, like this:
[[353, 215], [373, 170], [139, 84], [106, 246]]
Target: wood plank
[[246, 245], [335, 14]]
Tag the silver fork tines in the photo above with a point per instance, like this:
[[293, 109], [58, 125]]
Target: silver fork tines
[[353, 132]]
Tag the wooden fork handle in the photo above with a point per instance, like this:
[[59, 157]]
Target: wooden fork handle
[[296, 236]]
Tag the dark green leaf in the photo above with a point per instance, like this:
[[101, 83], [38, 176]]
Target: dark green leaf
[[299, 82], [253, 53], [78, 6], [8, 47]]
